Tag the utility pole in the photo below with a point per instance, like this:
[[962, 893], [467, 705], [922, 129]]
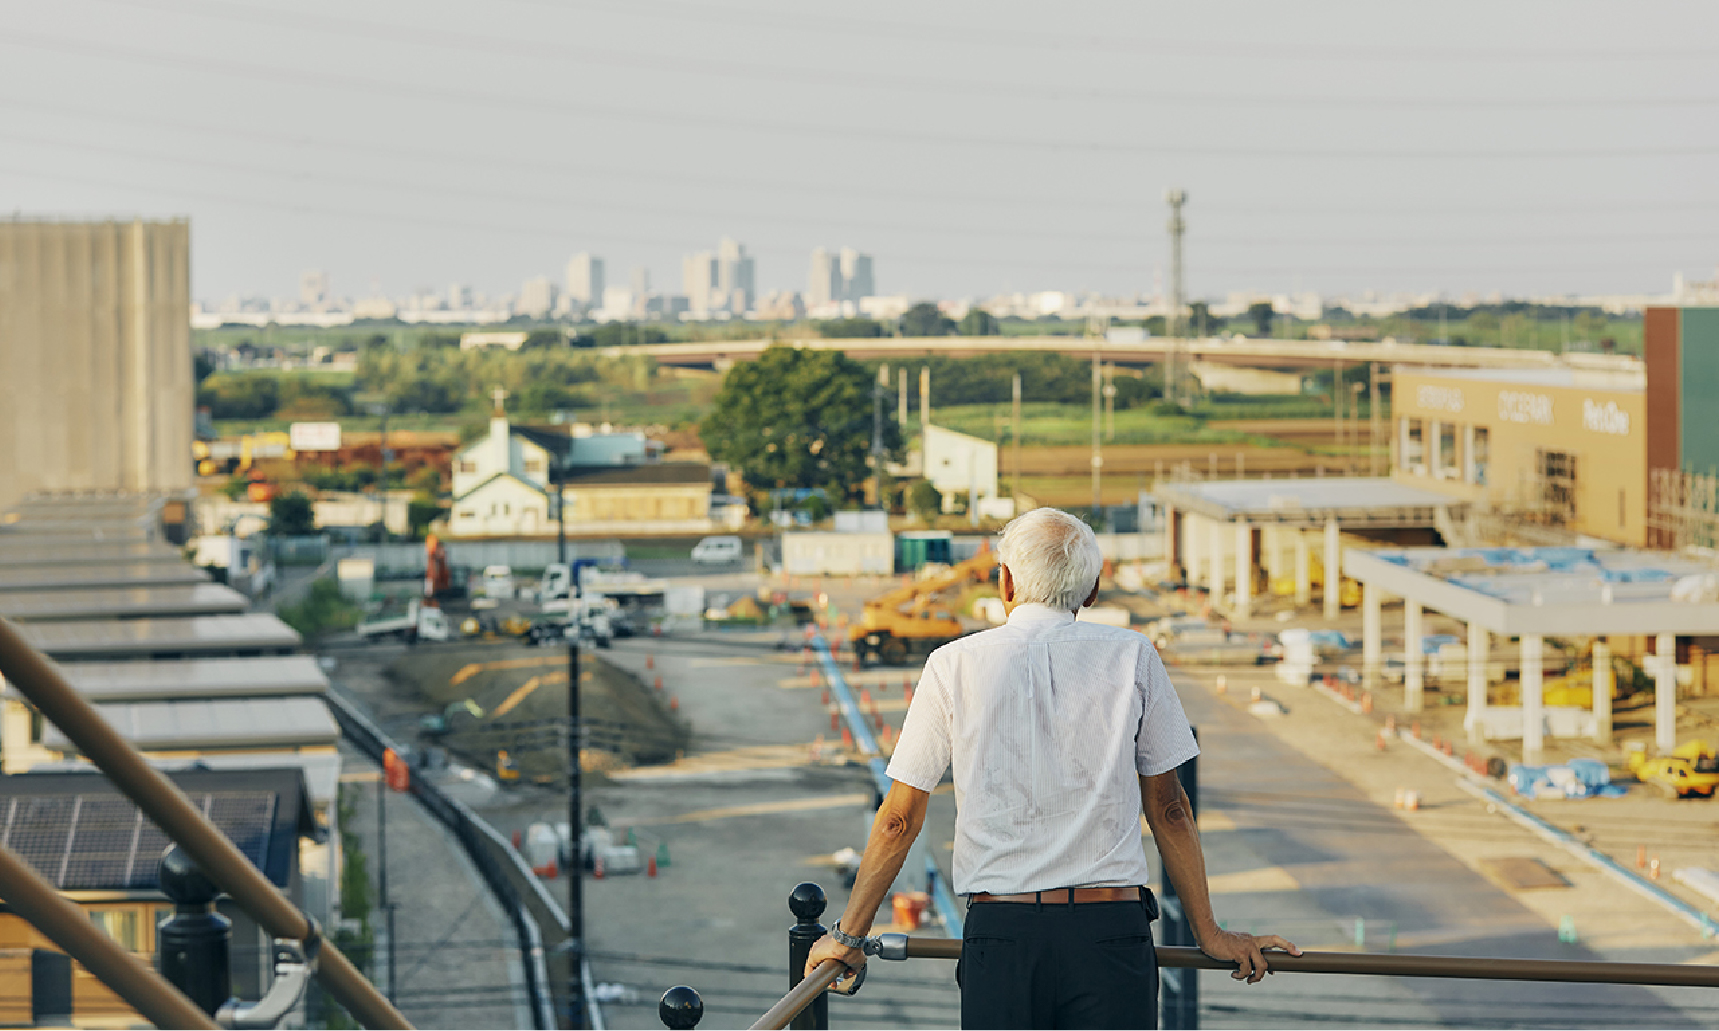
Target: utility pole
[[557, 472], [1176, 198], [1373, 418], [1015, 434], [576, 1001], [1097, 457], [901, 401], [878, 389]]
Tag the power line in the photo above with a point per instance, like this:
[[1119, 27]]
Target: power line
[[846, 134], [562, 54], [1039, 38]]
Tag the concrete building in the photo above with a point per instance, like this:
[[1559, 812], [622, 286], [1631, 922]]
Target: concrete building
[[962, 467], [585, 282], [313, 289], [698, 281], [537, 297], [95, 356], [1562, 448], [856, 275], [824, 282], [736, 275]]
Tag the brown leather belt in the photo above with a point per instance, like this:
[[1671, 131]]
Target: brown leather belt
[[1061, 895]]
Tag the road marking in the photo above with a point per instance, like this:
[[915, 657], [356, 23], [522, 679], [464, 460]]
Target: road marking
[[1266, 878], [786, 805], [521, 692], [753, 757], [470, 670]]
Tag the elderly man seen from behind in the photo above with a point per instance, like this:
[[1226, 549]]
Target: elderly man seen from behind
[[1060, 733]]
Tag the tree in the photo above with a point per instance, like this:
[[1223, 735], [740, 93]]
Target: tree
[[925, 500], [291, 515], [797, 418], [979, 323], [1201, 320], [1261, 313], [925, 320], [850, 329], [421, 511]]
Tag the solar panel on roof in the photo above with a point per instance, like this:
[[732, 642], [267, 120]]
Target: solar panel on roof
[[100, 842]]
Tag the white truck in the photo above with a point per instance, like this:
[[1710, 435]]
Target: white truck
[[420, 622]]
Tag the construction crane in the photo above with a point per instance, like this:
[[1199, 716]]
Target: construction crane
[[915, 619]]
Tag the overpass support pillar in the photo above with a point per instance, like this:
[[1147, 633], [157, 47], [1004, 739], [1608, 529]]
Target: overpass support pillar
[[1479, 652], [1215, 573], [1303, 569], [1244, 570], [1372, 635], [1665, 693], [1533, 712], [1333, 571], [1602, 692], [1412, 657]]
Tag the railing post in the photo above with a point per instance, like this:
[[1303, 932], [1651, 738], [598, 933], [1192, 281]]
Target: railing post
[[807, 902], [194, 943], [680, 1009], [1179, 990]]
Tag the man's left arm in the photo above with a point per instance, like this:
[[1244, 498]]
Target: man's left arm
[[893, 831], [1171, 818]]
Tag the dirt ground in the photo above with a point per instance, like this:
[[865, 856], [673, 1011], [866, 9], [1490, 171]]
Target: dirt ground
[[521, 692]]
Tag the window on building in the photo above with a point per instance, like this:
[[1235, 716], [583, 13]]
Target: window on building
[[468, 513], [1414, 447], [534, 467], [1482, 451], [1623, 510], [507, 508], [1557, 474], [127, 927], [467, 466], [1447, 454]]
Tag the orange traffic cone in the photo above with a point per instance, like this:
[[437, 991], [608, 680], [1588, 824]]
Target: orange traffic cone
[[650, 662], [597, 869], [650, 866]]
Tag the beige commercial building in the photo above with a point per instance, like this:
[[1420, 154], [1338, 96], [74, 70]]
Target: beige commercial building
[[1560, 447], [96, 388]]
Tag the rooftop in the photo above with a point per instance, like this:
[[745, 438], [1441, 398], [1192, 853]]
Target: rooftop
[[204, 599], [96, 638], [1551, 590], [1371, 501], [234, 724], [269, 676], [1629, 380]]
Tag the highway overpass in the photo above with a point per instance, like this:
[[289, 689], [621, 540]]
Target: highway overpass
[[1257, 353]]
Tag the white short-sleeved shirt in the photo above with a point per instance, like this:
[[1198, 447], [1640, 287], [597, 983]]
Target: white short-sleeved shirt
[[1048, 722]]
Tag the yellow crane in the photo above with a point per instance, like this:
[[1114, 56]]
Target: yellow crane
[[915, 619]]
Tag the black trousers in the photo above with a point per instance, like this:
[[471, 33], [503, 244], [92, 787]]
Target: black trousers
[[1080, 965]]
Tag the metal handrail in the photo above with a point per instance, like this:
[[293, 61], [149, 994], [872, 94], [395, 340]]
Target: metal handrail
[[901, 946], [39, 679]]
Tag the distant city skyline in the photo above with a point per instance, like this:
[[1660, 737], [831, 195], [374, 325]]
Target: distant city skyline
[[972, 148]]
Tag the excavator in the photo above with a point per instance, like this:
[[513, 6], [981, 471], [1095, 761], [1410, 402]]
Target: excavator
[[916, 619]]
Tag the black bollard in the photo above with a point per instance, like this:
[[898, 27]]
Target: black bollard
[[680, 1009], [807, 902], [193, 943]]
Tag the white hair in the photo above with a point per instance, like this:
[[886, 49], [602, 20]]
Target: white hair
[[1052, 556]]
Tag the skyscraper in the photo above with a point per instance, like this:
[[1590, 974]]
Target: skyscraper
[[856, 275], [824, 285], [734, 276], [698, 282], [585, 279], [313, 288], [537, 297]]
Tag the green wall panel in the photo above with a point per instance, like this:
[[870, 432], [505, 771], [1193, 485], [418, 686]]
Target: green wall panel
[[1699, 383]]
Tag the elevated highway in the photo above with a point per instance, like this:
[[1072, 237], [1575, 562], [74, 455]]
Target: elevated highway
[[1252, 352]]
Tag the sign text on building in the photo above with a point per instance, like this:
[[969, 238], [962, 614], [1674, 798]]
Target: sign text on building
[[1443, 399], [1521, 406], [1604, 418]]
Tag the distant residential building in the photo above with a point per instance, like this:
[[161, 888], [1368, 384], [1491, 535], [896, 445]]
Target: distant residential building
[[459, 297], [373, 308], [641, 281], [585, 279], [537, 297], [783, 305]]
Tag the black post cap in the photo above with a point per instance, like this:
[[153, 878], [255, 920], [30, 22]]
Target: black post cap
[[807, 902], [680, 1008], [183, 882]]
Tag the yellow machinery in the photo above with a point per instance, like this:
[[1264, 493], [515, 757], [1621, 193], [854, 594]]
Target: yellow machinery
[[915, 619], [1691, 771]]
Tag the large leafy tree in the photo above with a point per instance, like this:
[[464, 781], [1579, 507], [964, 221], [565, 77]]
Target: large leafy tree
[[798, 418]]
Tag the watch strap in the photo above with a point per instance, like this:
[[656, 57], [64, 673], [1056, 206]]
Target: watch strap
[[845, 938]]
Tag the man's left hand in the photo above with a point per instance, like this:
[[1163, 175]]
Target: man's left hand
[[1244, 950], [828, 948]]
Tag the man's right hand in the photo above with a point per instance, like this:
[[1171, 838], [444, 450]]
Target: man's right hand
[[1245, 951]]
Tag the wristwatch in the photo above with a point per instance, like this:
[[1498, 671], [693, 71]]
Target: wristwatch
[[847, 939]]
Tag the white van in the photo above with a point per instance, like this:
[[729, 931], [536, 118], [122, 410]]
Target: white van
[[717, 551], [496, 582]]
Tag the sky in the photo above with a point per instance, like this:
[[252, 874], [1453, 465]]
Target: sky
[[972, 146]]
